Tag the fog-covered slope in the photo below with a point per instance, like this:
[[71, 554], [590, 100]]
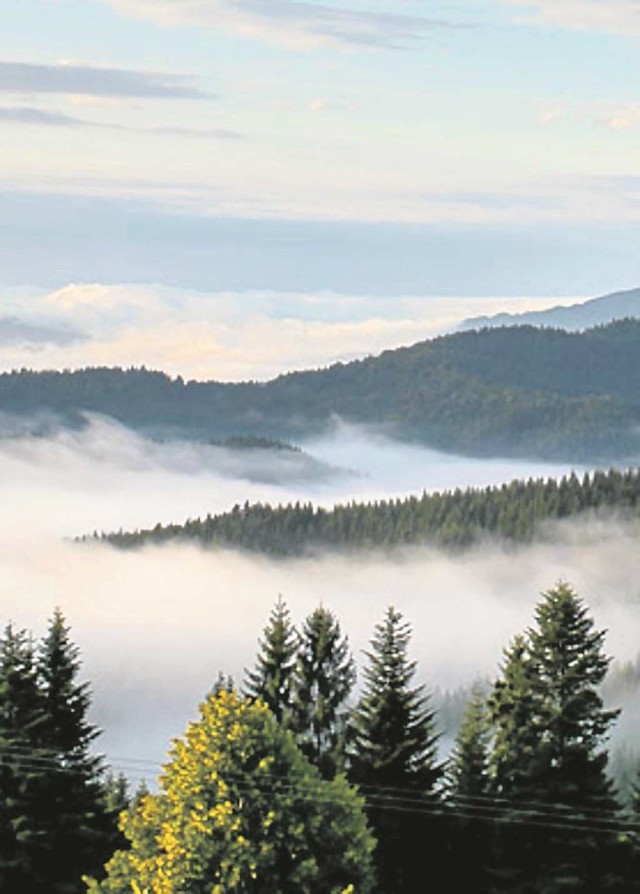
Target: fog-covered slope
[[519, 391]]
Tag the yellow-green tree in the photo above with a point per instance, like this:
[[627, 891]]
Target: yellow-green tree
[[242, 810]]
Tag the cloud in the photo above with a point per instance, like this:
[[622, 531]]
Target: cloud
[[27, 115], [22, 77], [613, 16], [14, 331], [41, 117], [227, 335], [295, 23]]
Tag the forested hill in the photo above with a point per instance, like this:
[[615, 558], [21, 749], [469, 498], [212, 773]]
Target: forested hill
[[456, 519], [518, 391]]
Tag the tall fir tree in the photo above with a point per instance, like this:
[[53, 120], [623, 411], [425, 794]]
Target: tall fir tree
[[55, 819], [468, 770], [75, 811], [323, 679], [393, 745], [272, 676], [23, 764], [570, 666], [549, 757], [393, 735], [467, 790]]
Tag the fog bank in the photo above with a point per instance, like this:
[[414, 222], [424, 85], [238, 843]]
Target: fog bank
[[155, 627]]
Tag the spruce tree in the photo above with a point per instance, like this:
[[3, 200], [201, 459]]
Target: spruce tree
[[74, 812], [468, 770], [467, 789], [549, 759], [393, 758], [272, 676], [566, 653], [393, 730], [323, 679], [22, 764]]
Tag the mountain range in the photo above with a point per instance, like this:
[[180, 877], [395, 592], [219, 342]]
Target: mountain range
[[573, 317], [515, 391]]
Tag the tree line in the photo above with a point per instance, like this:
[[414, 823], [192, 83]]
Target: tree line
[[286, 784], [513, 512]]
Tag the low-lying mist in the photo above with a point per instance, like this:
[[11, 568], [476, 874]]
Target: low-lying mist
[[155, 627]]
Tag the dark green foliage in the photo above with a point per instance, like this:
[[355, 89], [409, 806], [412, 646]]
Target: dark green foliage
[[548, 756], [468, 770], [22, 758], [566, 653], [394, 760], [393, 732], [56, 822], [323, 680], [467, 797], [516, 391], [254, 442], [514, 512], [273, 673]]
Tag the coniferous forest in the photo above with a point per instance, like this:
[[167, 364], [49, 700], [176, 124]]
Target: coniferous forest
[[513, 512], [294, 779]]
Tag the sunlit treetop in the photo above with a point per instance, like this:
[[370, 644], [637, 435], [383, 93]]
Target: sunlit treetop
[[242, 810]]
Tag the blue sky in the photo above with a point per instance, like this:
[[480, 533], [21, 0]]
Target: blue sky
[[361, 147]]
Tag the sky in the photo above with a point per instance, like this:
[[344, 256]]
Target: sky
[[361, 147]]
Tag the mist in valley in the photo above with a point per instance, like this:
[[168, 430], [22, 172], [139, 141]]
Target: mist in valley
[[155, 627]]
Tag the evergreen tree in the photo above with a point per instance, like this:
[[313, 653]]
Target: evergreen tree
[[468, 771], [22, 764], [549, 758], [393, 744], [566, 653], [272, 677], [392, 728], [55, 822], [468, 787], [74, 813], [512, 709], [323, 680]]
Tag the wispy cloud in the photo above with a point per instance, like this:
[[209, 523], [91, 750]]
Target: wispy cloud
[[295, 23], [41, 117], [613, 16], [27, 115], [23, 77]]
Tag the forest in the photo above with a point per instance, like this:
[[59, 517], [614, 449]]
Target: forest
[[514, 512], [514, 392], [294, 780]]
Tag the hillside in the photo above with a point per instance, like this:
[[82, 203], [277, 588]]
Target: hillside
[[519, 391], [574, 317], [512, 512]]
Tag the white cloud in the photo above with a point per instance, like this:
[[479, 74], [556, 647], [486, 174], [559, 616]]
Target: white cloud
[[613, 16], [296, 24], [74, 80], [227, 335]]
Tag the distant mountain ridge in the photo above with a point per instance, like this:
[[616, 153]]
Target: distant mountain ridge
[[520, 391], [573, 317]]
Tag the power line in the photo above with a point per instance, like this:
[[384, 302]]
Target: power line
[[375, 797]]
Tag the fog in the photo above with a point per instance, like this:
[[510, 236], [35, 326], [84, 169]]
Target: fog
[[156, 626]]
